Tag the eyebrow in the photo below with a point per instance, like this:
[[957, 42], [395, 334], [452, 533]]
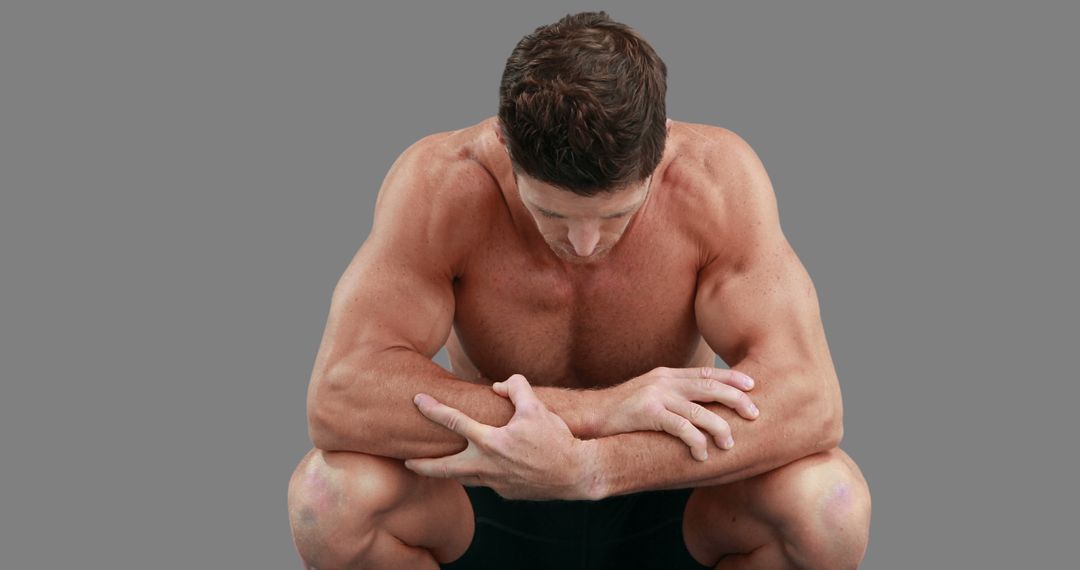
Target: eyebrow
[[547, 212]]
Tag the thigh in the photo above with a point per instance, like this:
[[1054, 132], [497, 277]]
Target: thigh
[[438, 516]]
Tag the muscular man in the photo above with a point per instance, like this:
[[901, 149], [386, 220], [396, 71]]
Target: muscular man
[[592, 257]]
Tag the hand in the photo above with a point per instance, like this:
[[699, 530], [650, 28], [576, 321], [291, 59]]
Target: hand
[[664, 400], [533, 457]]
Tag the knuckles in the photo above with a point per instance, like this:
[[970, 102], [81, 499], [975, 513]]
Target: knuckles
[[652, 392], [653, 407], [453, 421], [683, 425], [710, 385]]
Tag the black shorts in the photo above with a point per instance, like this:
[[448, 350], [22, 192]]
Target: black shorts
[[640, 530]]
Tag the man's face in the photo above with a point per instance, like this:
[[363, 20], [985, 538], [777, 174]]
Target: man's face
[[580, 229]]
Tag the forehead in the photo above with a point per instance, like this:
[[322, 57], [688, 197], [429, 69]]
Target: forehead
[[555, 200]]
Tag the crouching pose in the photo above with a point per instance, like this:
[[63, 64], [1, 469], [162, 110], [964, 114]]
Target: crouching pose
[[584, 260]]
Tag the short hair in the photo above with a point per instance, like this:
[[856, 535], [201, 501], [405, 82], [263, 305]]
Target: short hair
[[581, 105]]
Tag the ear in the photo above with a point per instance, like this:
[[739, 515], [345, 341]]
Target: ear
[[498, 133], [669, 123]]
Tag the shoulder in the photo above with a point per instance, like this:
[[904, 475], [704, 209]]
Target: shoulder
[[437, 197], [736, 203], [724, 164], [438, 175]]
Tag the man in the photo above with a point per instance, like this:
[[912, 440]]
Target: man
[[593, 257]]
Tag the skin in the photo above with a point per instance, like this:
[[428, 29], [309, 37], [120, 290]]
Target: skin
[[630, 295]]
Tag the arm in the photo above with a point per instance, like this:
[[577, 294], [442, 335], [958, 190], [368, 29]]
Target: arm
[[757, 308], [392, 310]]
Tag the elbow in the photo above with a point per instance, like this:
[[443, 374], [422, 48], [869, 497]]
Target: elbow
[[832, 435], [322, 414], [333, 406], [320, 434], [831, 424], [320, 429]]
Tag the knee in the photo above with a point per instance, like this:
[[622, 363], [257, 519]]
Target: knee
[[822, 506], [335, 499]]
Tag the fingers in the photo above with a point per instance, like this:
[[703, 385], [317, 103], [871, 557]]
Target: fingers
[[681, 428], [703, 418], [451, 418], [711, 390], [732, 378], [452, 466]]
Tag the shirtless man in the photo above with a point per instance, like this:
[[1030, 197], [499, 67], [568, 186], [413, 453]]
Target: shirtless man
[[595, 262]]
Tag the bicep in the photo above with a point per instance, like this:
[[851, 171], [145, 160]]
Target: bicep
[[386, 300], [397, 292], [756, 299], [765, 308], [763, 319], [758, 309]]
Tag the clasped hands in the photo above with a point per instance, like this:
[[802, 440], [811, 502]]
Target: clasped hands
[[536, 456]]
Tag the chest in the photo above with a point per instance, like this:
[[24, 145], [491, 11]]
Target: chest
[[589, 328]]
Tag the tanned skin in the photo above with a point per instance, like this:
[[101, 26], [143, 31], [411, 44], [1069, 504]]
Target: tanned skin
[[582, 334]]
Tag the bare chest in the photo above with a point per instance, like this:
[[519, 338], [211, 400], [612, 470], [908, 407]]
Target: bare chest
[[592, 328]]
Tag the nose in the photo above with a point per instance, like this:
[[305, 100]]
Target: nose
[[584, 237]]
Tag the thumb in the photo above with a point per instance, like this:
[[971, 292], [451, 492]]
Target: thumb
[[502, 387], [521, 394]]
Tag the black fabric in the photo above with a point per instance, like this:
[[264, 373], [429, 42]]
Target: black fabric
[[641, 530]]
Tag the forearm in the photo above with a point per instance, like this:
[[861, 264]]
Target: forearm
[[799, 417], [369, 409]]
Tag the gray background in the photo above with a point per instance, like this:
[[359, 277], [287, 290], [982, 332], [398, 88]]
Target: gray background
[[183, 183]]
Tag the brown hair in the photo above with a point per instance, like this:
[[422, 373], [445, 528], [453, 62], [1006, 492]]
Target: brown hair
[[581, 105]]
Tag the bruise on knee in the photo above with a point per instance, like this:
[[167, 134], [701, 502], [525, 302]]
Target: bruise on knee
[[844, 513], [837, 504], [322, 490], [315, 501], [317, 493], [306, 533], [846, 499]]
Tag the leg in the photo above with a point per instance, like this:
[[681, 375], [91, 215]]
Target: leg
[[813, 513], [351, 510]]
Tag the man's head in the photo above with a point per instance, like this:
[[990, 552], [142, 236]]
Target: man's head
[[583, 119], [581, 105]]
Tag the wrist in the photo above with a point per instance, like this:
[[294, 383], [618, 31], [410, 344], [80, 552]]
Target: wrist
[[596, 409], [590, 413], [591, 482], [582, 410]]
